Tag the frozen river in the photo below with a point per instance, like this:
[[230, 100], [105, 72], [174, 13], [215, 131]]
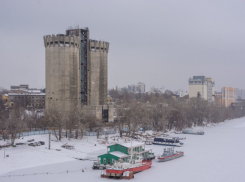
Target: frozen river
[[217, 156]]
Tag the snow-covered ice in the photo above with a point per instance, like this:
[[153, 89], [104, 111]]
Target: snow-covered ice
[[217, 156]]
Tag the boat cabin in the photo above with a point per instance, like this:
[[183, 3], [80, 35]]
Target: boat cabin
[[122, 152], [168, 140]]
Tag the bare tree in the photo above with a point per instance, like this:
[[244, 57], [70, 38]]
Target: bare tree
[[16, 123], [56, 120], [4, 115]]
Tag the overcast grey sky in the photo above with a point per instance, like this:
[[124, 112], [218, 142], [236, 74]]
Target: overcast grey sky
[[160, 43]]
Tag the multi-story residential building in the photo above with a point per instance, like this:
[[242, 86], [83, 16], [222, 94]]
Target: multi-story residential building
[[180, 93], [240, 94], [201, 86], [227, 96], [76, 73], [19, 87], [1, 89], [141, 87], [154, 90], [138, 88], [132, 88], [29, 99], [217, 97], [5, 98], [123, 89]]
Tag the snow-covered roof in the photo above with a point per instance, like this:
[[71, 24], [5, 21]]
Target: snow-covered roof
[[40, 94], [134, 144], [6, 95], [128, 145], [148, 149], [118, 154], [34, 91]]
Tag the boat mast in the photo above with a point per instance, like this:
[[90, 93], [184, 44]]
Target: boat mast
[[131, 152]]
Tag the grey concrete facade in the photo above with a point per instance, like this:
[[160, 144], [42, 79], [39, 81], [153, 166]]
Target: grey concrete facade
[[98, 72], [76, 73], [62, 72]]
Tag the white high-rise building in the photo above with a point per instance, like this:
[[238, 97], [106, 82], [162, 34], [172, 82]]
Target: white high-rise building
[[181, 93], [139, 88], [201, 86]]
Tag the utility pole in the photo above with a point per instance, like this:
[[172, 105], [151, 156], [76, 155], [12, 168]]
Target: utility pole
[[49, 140]]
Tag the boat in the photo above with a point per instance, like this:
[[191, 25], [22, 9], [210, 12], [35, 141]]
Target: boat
[[150, 157], [169, 154], [178, 132], [118, 169], [175, 141], [190, 131], [138, 166], [136, 163]]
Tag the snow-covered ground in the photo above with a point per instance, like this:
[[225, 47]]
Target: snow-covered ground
[[217, 156]]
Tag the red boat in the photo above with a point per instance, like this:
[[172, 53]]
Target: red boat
[[125, 169], [146, 164]]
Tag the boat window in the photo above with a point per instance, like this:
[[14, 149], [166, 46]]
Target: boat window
[[104, 159]]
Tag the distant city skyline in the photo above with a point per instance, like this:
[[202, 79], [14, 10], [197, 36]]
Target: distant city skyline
[[166, 46]]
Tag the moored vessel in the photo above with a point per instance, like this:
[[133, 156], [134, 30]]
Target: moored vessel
[[175, 141], [118, 169], [190, 131], [169, 154], [126, 159]]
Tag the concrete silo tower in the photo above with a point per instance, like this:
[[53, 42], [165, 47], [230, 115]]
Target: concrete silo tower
[[98, 75], [76, 73], [62, 72]]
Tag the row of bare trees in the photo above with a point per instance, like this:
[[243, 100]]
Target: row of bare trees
[[163, 112], [77, 121], [15, 120]]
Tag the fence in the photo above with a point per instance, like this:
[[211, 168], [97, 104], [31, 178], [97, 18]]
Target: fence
[[42, 132], [47, 173], [101, 133], [71, 135]]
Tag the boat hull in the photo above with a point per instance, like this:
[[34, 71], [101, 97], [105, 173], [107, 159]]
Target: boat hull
[[146, 165], [194, 133], [164, 159], [168, 144]]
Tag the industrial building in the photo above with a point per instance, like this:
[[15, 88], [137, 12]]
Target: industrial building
[[76, 73], [201, 86]]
